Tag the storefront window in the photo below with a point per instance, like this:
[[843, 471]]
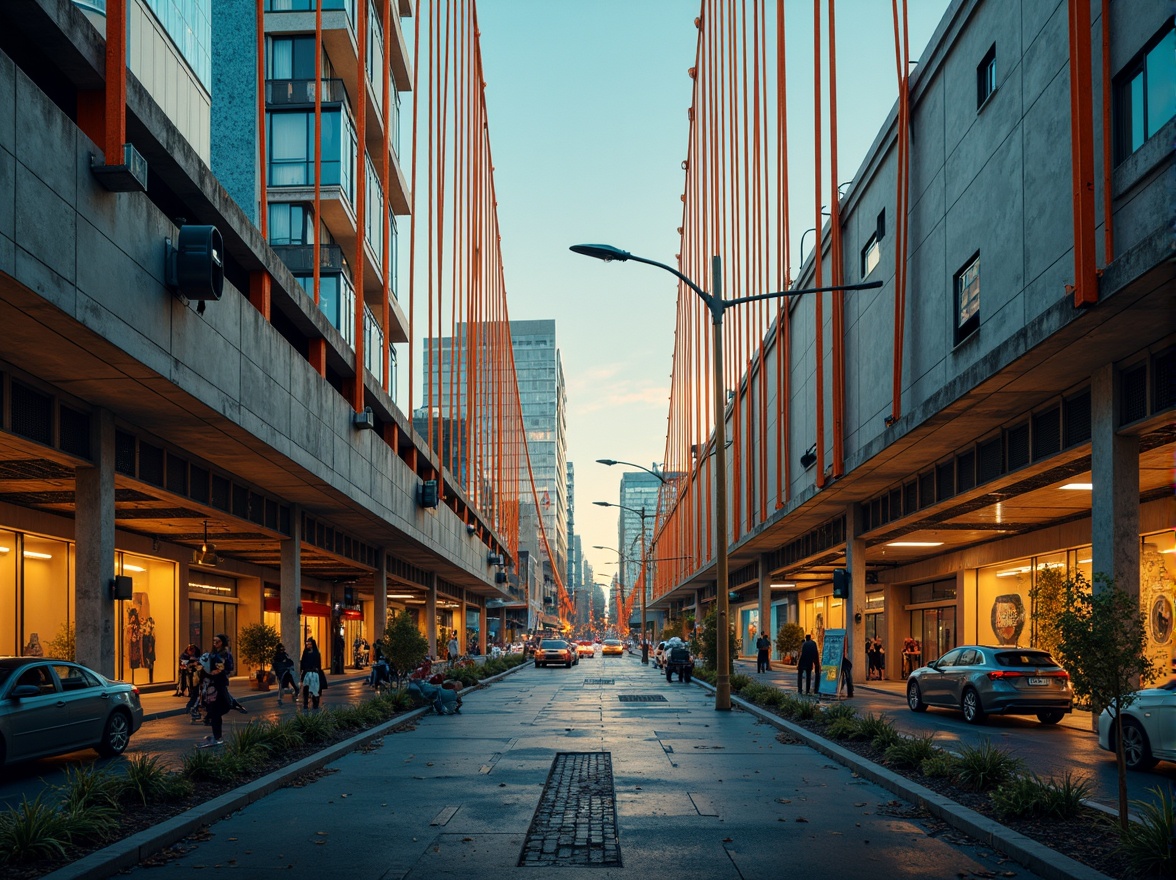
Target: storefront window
[[147, 649], [9, 606], [206, 615], [1157, 593], [48, 593]]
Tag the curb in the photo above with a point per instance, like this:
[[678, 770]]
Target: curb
[[129, 851], [1035, 856]]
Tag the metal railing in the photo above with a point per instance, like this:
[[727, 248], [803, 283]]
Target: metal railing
[[284, 92]]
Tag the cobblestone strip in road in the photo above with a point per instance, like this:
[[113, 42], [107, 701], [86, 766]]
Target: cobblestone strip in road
[[575, 822]]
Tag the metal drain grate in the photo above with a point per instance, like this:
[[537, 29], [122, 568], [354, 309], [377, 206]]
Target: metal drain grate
[[600, 681], [641, 698], [575, 822]]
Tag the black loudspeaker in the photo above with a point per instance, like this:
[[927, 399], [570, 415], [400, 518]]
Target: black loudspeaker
[[197, 263], [121, 587], [429, 497], [500, 577], [840, 583]]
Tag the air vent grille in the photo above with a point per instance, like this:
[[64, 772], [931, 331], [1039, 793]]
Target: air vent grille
[[1076, 422], [150, 464], [1133, 395], [74, 432], [32, 414], [1047, 433], [1164, 380], [1017, 438]]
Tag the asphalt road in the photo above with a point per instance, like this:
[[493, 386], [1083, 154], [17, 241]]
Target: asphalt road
[[551, 768]]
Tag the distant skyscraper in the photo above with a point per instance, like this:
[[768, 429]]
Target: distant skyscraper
[[639, 491]]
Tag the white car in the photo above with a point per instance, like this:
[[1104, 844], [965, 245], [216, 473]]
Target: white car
[[1149, 727]]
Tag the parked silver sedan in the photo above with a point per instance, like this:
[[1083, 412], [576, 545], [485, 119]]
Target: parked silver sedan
[[980, 680], [50, 707], [1149, 727]]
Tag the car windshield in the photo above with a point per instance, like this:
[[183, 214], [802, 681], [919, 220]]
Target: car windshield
[[1024, 659], [612, 641], [5, 672], [1169, 685], [552, 645]]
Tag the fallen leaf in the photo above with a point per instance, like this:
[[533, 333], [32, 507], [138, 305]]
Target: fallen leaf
[[862, 804], [801, 819], [728, 840]]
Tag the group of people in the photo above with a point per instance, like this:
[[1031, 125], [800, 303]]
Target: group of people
[[875, 660], [204, 677], [912, 655], [311, 680]]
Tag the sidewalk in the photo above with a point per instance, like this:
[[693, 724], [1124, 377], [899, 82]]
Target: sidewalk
[[784, 677], [165, 704]]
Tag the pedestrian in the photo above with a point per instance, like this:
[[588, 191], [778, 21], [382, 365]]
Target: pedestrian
[[215, 696], [185, 686], [810, 659], [454, 648], [220, 645], [879, 659], [195, 682], [310, 667], [763, 645], [908, 656], [846, 671], [283, 669]]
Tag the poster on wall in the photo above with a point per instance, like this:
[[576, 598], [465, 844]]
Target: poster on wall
[[1008, 618], [831, 653]]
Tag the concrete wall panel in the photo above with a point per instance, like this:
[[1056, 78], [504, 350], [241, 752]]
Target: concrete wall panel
[[928, 145], [1046, 54], [7, 105], [46, 141], [1049, 224], [47, 235], [926, 342]]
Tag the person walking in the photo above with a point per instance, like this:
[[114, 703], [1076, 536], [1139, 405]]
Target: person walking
[[810, 659], [185, 685], [215, 695], [454, 648], [763, 645], [310, 666], [846, 671], [220, 645], [283, 669]]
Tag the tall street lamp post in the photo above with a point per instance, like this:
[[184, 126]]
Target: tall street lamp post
[[620, 583], [716, 305], [645, 581]]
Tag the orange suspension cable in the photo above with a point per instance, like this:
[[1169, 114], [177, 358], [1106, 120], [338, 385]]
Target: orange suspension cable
[[836, 263], [818, 299]]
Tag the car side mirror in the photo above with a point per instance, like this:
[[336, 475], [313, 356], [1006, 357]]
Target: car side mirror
[[934, 664], [24, 691]]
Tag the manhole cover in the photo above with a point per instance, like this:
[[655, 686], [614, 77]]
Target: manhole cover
[[641, 698], [575, 822], [600, 681]]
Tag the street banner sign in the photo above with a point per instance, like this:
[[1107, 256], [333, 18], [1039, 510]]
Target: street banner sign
[[831, 654]]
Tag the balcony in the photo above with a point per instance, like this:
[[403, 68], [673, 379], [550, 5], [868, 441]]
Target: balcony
[[299, 258], [300, 92]]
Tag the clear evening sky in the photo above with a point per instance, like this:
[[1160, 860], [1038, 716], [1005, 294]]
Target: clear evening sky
[[587, 104]]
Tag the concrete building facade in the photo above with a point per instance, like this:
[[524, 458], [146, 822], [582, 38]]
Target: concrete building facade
[[1034, 439], [175, 467]]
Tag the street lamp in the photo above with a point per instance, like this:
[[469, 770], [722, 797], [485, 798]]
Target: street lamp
[[716, 305], [645, 586]]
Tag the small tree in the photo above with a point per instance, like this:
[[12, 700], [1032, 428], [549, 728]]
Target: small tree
[[709, 642], [789, 639], [1102, 642], [256, 644], [1048, 595], [62, 645], [404, 645]]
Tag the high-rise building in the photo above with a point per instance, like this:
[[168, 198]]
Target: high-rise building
[[639, 491]]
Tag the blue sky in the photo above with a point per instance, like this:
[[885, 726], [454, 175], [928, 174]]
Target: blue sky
[[587, 104]]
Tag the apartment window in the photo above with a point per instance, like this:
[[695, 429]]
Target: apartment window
[[967, 300], [986, 77], [290, 143], [290, 58], [872, 252], [1145, 93], [291, 223]]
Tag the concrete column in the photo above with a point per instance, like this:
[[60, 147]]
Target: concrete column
[[379, 599], [765, 604], [483, 625], [855, 601], [1114, 506], [431, 613], [290, 575], [94, 537], [460, 625]]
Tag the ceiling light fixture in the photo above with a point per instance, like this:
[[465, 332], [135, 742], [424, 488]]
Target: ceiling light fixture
[[915, 544], [783, 586], [33, 554], [1081, 487], [206, 555], [133, 567]]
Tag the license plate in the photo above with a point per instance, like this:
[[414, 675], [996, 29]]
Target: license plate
[[1038, 682]]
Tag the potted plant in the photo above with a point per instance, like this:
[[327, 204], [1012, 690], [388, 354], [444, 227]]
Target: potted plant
[[788, 641], [256, 644]]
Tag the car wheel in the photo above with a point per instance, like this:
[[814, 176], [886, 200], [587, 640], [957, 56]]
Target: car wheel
[[1136, 750], [1051, 716], [117, 735], [973, 710], [915, 697]]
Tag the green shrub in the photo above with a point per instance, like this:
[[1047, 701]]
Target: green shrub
[[1147, 844], [757, 693], [88, 785], [706, 674], [773, 698], [878, 729], [146, 780], [207, 765], [842, 728], [788, 705], [34, 830], [911, 751], [984, 767], [1029, 796], [839, 712], [806, 710], [315, 727], [941, 765], [739, 681]]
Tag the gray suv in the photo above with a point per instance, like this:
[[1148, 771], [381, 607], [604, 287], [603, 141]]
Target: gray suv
[[980, 680]]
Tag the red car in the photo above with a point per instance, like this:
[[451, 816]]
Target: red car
[[555, 651]]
